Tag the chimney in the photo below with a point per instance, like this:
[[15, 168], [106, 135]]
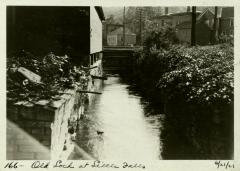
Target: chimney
[[219, 15], [165, 10], [188, 9]]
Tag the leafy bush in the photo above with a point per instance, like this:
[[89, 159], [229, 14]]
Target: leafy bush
[[56, 72], [161, 39], [201, 75], [223, 38]]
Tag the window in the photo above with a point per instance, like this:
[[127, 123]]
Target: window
[[231, 22], [178, 22]]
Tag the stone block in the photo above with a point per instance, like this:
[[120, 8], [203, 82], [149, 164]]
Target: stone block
[[11, 131], [37, 131], [25, 148], [23, 141], [20, 137], [42, 102], [12, 114], [57, 104], [45, 115], [27, 123], [10, 136], [48, 131], [12, 148], [44, 124], [42, 156], [10, 155], [27, 112], [28, 130], [66, 96], [46, 143], [23, 156], [28, 148]]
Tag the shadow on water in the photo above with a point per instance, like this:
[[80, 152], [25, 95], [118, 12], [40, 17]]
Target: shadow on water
[[192, 132], [137, 128], [127, 133]]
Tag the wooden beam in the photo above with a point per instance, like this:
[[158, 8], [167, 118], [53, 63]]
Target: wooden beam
[[98, 77], [88, 68], [85, 91]]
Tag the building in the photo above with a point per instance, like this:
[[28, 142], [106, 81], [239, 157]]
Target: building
[[227, 21], [162, 21], [40, 130], [74, 31], [204, 28], [182, 21], [115, 38], [173, 19]]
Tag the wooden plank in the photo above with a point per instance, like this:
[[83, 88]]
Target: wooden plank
[[85, 91], [98, 77], [88, 68], [31, 76]]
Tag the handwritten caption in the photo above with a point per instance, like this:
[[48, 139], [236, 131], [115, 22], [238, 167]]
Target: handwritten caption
[[70, 164], [224, 164]]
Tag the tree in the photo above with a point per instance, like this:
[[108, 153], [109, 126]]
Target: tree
[[138, 19]]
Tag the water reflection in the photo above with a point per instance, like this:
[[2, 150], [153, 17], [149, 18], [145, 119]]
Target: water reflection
[[136, 129], [128, 133]]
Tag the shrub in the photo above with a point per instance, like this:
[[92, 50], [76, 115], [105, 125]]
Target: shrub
[[161, 39], [201, 75], [197, 74], [226, 39], [56, 72]]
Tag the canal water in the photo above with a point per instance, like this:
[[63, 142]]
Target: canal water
[[122, 125], [116, 126]]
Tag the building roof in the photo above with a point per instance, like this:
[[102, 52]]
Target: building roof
[[175, 14], [185, 25], [184, 13], [188, 24], [227, 12], [120, 31], [100, 12], [162, 16], [206, 12]]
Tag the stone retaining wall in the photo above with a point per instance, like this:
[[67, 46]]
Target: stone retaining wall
[[41, 130]]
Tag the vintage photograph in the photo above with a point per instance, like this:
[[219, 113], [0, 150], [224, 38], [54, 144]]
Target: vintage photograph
[[120, 83]]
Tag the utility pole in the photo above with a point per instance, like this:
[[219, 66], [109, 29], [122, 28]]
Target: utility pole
[[123, 26], [140, 21], [215, 26], [193, 30]]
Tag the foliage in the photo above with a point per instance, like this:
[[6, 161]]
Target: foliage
[[223, 38], [200, 75], [141, 16], [161, 38], [56, 72]]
